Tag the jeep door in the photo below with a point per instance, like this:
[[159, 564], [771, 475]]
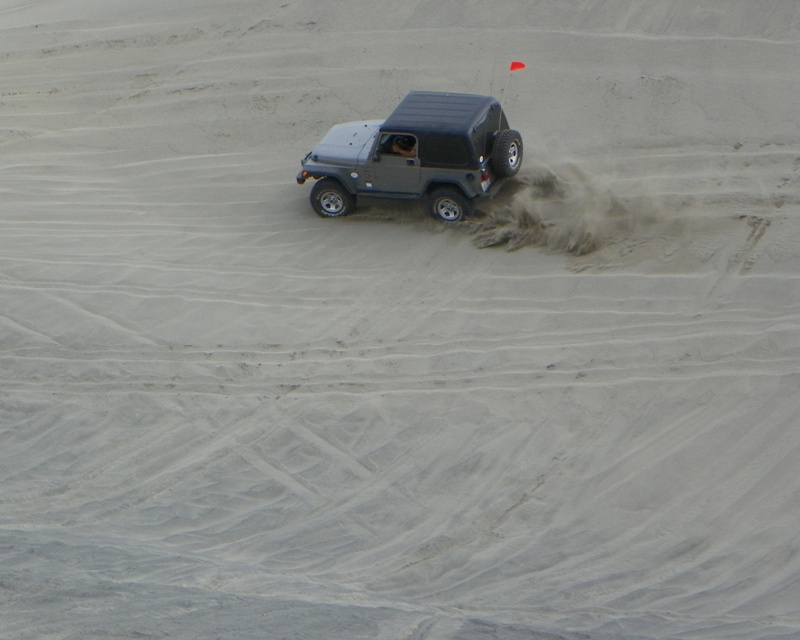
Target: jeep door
[[397, 170]]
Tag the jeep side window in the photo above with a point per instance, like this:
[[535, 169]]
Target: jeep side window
[[443, 150], [399, 144]]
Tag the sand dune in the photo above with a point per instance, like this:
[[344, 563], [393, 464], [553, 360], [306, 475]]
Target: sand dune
[[574, 416]]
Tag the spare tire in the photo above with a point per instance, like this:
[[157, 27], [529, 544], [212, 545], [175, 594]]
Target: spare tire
[[507, 153]]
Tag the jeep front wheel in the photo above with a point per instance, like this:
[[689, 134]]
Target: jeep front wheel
[[330, 199], [450, 205], [507, 153]]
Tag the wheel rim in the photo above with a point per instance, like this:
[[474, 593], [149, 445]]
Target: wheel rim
[[513, 155], [331, 202], [448, 209]]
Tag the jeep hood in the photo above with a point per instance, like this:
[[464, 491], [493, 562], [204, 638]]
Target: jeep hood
[[344, 143]]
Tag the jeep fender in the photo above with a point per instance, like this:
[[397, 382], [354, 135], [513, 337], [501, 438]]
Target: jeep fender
[[461, 185], [342, 175]]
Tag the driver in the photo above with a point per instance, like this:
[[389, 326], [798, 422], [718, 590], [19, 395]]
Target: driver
[[405, 146]]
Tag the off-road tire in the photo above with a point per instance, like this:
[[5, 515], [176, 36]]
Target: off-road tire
[[507, 153], [449, 204], [330, 199]]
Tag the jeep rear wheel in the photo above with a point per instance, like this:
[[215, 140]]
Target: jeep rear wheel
[[507, 153], [330, 199], [450, 205]]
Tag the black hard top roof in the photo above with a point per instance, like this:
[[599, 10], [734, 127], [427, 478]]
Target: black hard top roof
[[437, 111]]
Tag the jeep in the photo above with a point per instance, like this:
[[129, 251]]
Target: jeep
[[447, 149]]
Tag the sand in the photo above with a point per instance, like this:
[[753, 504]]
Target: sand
[[574, 417]]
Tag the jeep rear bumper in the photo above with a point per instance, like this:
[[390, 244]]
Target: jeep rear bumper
[[493, 190]]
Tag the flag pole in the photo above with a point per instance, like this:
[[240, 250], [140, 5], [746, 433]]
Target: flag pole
[[505, 86], [515, 65]]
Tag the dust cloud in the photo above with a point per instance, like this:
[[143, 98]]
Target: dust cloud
[[563, 208]]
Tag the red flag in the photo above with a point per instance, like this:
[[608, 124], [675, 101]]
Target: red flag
[[516, 65]]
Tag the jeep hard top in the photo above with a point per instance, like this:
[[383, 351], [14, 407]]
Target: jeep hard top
[[448, 149]]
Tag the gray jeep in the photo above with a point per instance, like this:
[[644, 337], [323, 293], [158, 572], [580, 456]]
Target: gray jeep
[[449, 149]]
